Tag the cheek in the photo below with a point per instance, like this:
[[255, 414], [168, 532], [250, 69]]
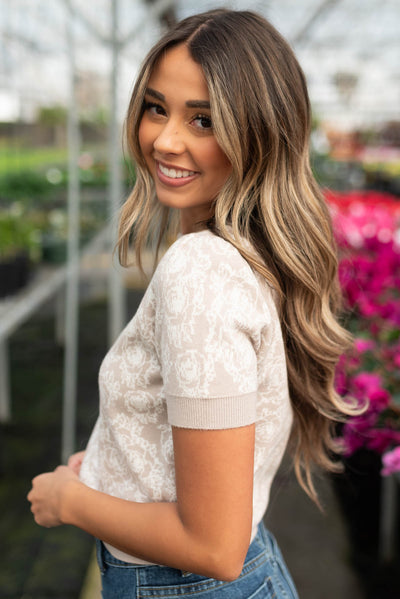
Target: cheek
[[145, 143], [220, 162], [142, 136], [217, 155]]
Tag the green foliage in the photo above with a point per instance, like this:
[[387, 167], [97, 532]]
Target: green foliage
[[18, 234], [52, 115], [335, 174], [24, 185], [39, 186], [17, 159], [33, 201]]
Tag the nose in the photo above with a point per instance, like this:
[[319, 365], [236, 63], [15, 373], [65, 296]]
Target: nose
[[170, 139]]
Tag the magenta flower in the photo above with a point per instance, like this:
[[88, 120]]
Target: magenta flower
[[379, 400], [380, 440], [367, 229], [391, 462], [363, 345], [366, 383]]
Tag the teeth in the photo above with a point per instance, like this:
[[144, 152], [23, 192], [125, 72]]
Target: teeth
[[174, 173]]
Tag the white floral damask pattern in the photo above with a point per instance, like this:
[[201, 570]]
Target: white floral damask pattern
[[204, 350]]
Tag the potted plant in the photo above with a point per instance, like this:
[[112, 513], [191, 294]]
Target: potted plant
[[19, 247]]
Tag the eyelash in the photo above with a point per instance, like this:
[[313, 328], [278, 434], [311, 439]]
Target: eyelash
[[206, 118], [149, 105]]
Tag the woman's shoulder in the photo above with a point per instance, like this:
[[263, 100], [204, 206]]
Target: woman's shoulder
[[204, 263], [202, 250]]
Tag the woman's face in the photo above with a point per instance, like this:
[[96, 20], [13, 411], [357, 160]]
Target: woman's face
[[177, 139]]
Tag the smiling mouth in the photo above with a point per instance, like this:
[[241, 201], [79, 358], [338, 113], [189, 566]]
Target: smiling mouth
[[175, 173]]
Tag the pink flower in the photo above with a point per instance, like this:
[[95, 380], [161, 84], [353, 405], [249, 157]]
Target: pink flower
[[381, 440], [341, 382], [391, 462], [363, 345], [352, 442], [367, 229], [379, 400], [357, 431], [366, 383]]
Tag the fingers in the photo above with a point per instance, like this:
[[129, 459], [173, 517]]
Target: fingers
[[75, 461], [47, 493], [71, 461], [30, 496], [43, 501]]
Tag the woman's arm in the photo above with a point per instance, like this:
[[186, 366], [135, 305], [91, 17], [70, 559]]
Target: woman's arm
[[207, 531]]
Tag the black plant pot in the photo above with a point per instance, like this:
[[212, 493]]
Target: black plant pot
[[54, 250], [359, 492], [14, 273]]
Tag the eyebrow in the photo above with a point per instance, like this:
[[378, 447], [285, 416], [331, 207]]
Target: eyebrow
[[190, 103]]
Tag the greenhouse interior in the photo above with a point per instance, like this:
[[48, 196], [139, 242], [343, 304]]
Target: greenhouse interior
[[67, 70]]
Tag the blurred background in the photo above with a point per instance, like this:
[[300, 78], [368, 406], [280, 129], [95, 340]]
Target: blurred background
[[66, 73]]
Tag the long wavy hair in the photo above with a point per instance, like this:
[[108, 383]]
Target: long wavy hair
[[261, 116]]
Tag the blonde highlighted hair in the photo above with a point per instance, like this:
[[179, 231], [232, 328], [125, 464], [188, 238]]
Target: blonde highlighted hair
[[261, 116]]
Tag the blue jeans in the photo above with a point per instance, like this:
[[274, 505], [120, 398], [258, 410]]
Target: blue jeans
[[264, 576]]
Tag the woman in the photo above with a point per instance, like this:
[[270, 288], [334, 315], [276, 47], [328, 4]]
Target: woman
[[233, 348]]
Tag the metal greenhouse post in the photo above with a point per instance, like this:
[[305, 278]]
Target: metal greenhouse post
[[72, 289], [116, 290], [117, 309], [387, 524]]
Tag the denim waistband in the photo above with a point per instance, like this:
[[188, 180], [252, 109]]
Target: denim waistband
[[262, 547]]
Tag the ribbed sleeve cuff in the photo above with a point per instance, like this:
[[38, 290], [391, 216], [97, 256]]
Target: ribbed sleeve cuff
[[212, 413]]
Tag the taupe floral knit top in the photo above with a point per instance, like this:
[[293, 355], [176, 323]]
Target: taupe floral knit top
[[204, 351]]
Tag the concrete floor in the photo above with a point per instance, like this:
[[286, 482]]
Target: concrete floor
[[314, 544]]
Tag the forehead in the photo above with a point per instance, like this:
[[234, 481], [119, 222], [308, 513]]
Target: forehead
[[177, 72]]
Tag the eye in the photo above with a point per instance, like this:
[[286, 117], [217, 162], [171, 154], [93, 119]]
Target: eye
[[154, 108], [203, 122]]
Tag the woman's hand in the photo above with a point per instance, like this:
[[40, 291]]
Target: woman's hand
[[75, 461], [48, 495]]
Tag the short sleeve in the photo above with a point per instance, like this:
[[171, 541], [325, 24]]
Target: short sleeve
[[208, 330]]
